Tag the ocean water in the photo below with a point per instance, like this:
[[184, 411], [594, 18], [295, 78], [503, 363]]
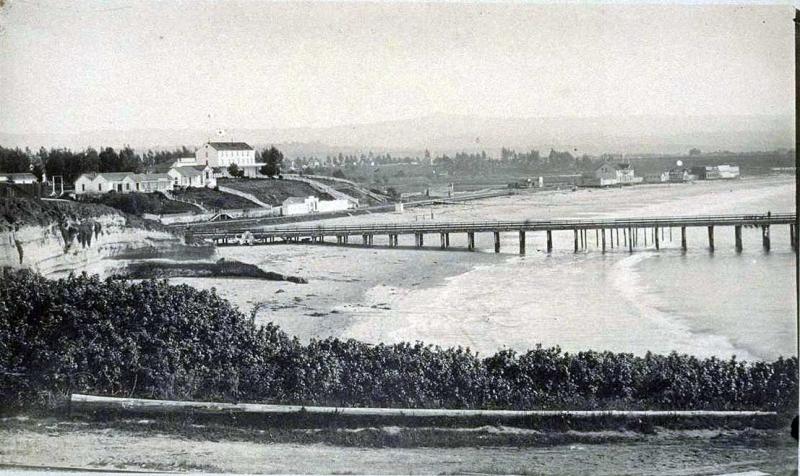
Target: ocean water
[[699, 302]]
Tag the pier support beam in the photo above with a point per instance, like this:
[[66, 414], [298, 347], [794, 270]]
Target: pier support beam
[[683, 238], [549, 241], [765, 237], [441, 240], [793, 236], [447, 240], [603, 234], [522, 242], [655, 234], [496, 241], [471, 240], [576, 240], [630, 240], [737, 232], [711, 238]]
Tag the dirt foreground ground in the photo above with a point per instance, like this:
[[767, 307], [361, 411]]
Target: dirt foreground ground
[[666, 452]]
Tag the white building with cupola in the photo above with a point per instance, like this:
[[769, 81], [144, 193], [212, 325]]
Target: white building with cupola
[[220, 155]]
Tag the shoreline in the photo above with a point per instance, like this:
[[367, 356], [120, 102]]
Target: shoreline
[[392, 295]]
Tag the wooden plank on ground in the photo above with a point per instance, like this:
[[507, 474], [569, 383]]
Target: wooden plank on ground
[[174, 406]]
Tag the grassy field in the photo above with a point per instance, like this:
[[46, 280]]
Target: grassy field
[[214, 199], [273, 192]]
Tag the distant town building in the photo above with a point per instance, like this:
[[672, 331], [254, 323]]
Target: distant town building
[[656, 177], [680, 174], [21, 178], [718, 172], [609, 173], [122, 182]]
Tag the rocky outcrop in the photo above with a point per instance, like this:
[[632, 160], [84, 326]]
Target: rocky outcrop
[[156, 269], [74, 244]]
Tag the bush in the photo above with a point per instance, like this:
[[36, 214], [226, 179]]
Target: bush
[[154, 340]]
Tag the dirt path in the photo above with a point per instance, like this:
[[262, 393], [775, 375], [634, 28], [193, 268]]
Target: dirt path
[[694, 453]]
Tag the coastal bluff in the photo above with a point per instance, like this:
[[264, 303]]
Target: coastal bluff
[[55, 238]]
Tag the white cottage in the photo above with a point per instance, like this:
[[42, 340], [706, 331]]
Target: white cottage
[[122, 182], [192, 176]]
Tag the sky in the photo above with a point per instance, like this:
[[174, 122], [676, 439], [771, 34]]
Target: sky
[[77, 66]]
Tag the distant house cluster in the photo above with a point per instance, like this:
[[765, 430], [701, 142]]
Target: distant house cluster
[[609, 174], [718, 172], [122, 182], [683, 174]]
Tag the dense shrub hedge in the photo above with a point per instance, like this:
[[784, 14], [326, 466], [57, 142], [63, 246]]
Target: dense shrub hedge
[[151, 339]]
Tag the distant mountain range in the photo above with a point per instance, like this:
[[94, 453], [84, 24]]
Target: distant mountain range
[[444, 133]]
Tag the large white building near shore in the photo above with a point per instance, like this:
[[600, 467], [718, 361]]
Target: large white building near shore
[[220, 155]]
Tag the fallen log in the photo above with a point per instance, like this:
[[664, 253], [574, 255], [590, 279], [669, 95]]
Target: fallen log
[[80, 401]]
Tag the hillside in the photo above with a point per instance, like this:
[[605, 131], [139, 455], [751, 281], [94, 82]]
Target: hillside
[[273, 192], [136, 203], [213, 199]]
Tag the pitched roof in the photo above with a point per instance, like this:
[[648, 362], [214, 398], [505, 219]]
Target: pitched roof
[[142, 177], [189, 171], [623, 166], [230, 146], [115, 175]]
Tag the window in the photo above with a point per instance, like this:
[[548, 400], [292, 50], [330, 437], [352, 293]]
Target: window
[[83, 187], [127, 186], [137, 186], [99, 187]]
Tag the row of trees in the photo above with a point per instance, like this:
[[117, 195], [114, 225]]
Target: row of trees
[[152, 339], [71, 164]]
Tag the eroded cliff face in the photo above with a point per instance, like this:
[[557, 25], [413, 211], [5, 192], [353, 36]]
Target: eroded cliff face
[[75, 245]]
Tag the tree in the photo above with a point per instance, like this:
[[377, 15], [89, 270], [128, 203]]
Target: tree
[[109, 160], [273, 158], [339, 174], [234, 171], [14, 161]]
